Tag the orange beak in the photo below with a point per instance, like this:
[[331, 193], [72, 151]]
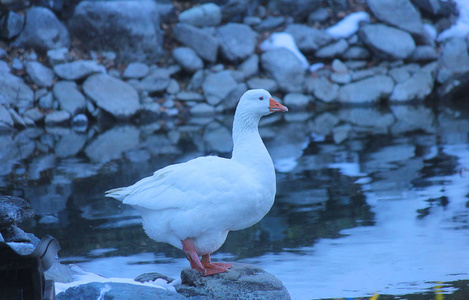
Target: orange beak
[[275, 106]]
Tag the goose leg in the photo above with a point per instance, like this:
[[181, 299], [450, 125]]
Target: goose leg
[[213, 268], [192, 256]]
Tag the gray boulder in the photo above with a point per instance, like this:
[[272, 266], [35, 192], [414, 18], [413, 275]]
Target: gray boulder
[[282, 65], [217, 86], [308, 39], [332, 50], [131, 28], [58, 56], [188, 59], [113, 95], [69, 97], [417, 87], [14, 90], [13, 210], [322, 88], [399, 13], [200, 40], [424, 53], [263, 83], [5, 118], [241, 282], [387, 42], [39, 74], [368, 90], [453, 60], [78, 69], [113, 290], [296, 101], [204, 15], [55, 118], [11, 25], [157, 81], [356, 53], [43, 31], [237, 41], [136, 70]]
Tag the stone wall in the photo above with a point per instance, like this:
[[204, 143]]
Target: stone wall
[[69, 62]]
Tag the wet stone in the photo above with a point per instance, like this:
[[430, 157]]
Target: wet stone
[[13, 210], [217, 86], [187, 59], [208, 14], [57, 118], [69, 97]]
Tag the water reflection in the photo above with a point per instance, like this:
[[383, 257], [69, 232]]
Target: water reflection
[[369, 200]]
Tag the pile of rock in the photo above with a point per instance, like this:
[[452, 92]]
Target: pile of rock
[[206, 56]]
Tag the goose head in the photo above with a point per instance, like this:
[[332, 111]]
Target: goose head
[[258, 102]]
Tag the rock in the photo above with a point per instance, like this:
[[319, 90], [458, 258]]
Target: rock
[[58, 56], [152, 277], [13, 210], [250, 66], [202, 109], [252, 21], [308, 39], [113, 143], [298, 9], [131, 28], [368, 90], [356, 53], [270, 23], [319, 15], [296, 101], [113, 95], [242, 281], [399, 13], [341, 78], [59, 117], [78, 69], [69, 97], [17, 65], [5, 119], [14, 90], [338, 66], [42, 31], [189, 96], [322, 89], [237, 41], [188, 59], [424, 53], [136, 70], [417, 87], [387, 42], [204, 15], [80, 122], [39, 74], [217, 86], [263, 83], [196, 80], [282, 65], [333, 50], [114, 290], [33, 114], [454, 59], [11, 25], [436, 7], [14, 234], [200, 40], [157, 81], [46, 101]]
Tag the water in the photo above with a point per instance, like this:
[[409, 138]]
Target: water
[[370, 200]]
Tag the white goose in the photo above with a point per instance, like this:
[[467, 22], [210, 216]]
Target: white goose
[[193, 205]]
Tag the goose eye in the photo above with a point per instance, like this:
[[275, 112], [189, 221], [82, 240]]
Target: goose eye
[[261, 98]]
